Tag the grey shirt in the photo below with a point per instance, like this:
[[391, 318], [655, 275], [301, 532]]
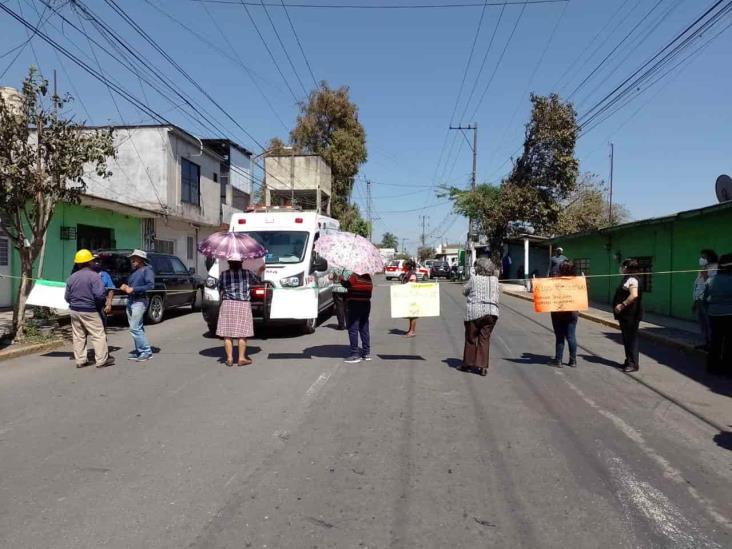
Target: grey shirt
[[483, 293]]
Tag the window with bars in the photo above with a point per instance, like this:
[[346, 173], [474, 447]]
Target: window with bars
[[190, 182], [582, 265], [164, 246], [4, 252], [190, 247], [645, 273]]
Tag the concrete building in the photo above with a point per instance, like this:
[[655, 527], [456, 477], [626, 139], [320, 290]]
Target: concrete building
[[305, 178], [661, 245], [448, 252], [166, 193]]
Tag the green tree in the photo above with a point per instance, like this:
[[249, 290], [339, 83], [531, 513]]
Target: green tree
[[328, 126], [351, 221], [425, 252], [546, 172], [587, 208], [43, 160], [541, 181], [389, 240]]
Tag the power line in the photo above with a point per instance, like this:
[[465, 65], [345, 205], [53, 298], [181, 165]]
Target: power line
[[231, 54], [299, 44], [21, 47], [388, 6], [284, 49], [269, 51]]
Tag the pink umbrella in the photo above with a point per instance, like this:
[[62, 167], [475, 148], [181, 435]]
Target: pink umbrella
[[351, 252], [234, 246]]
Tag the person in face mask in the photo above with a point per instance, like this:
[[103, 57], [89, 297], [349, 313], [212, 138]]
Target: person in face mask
[[708, 269], [628, 309]]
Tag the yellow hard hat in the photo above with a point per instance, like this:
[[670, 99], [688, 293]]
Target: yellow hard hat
[[83, 256]]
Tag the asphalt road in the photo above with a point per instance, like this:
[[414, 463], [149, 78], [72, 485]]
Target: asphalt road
[[300, 450]]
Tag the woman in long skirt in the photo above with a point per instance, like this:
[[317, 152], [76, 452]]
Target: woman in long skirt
[[482, 291], [235, 314]]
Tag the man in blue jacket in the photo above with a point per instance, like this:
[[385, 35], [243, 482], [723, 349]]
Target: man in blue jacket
[[85, 295], [140, 281]]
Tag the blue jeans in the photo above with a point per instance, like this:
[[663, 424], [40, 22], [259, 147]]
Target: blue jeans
[[358, 324], [135, 314], [565, 327]]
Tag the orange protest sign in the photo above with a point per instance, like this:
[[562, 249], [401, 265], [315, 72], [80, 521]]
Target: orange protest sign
[[567, 293]]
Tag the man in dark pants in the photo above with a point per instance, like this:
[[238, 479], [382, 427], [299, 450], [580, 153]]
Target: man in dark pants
[[358, 305]]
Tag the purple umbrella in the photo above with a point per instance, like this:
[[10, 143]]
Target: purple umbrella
[[234, 246]]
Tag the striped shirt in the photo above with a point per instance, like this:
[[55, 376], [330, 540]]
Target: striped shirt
[[483, 296], [235, 285]]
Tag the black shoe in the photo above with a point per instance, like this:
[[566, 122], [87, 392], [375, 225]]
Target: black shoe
[[630, 368], [555, 362], [572, 364], [109, 362]]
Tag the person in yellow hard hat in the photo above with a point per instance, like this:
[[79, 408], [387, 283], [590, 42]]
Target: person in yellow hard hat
[[85, 294]]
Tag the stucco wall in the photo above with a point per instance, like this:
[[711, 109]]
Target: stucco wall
[[310, 171]]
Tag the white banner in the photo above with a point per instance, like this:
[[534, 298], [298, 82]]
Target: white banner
[[48, 293], [415, 300], [294, 303]]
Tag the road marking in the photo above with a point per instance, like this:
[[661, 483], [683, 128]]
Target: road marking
[[666, 518], [315, 388], [669, 471], [504, 344]]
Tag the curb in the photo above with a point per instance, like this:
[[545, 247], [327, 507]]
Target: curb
[[30, 349], [613, 324]]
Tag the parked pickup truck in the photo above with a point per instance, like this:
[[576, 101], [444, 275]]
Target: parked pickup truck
[[175, 284]]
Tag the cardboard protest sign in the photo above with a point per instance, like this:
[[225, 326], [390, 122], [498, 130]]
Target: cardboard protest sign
[[415, 300], [299, 303], [560, 294], [48, 293]]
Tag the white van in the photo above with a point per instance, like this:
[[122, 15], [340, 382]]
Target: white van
[[291, 264]]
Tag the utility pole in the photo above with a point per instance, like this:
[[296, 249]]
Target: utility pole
[[368, 209], [424, 217], [612, 162], [404, 249], [474, 174]]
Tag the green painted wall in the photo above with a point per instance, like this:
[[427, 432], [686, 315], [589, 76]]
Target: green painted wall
[[672, 243], [59, 256]]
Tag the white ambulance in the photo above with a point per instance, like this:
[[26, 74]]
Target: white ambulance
[[296, 287]]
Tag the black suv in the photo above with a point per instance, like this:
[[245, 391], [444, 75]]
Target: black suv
[[440, 269], [175, 284]]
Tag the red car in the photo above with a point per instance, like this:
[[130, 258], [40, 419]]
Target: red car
[[395, 269]]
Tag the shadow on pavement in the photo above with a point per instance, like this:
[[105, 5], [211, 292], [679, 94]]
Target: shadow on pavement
[[397, 331], [531, 358], [319, 351], [691, 365], [401, 357], [218, 352], [594, 359], [457, 363], [724, 440]]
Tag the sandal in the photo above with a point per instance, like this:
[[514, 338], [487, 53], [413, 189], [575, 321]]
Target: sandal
[[245, 362], [483, 371], [229, 363]]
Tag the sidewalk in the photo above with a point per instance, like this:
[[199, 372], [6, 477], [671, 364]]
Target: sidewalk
[[684, 382], [681, 334]]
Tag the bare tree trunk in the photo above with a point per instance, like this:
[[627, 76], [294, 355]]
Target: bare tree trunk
[[26, 277]]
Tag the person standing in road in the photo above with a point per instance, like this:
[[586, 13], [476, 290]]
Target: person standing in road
[[407, 278], [719, 301], [708, 270], [628, 310], [85, 296], [140, 281], [235, 316], [358, 304], [109, 287], [482, 291], [565, 325], [555, 261]]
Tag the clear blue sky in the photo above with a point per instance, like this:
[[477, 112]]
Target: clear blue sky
[[404, 68]]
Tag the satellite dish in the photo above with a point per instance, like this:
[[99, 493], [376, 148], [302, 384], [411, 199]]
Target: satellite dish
[[724, 188]]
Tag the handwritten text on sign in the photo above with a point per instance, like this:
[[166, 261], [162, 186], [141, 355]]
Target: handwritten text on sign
[[415, 300], [560, 294]]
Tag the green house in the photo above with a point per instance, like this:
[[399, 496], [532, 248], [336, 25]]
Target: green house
[[661, 244]]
